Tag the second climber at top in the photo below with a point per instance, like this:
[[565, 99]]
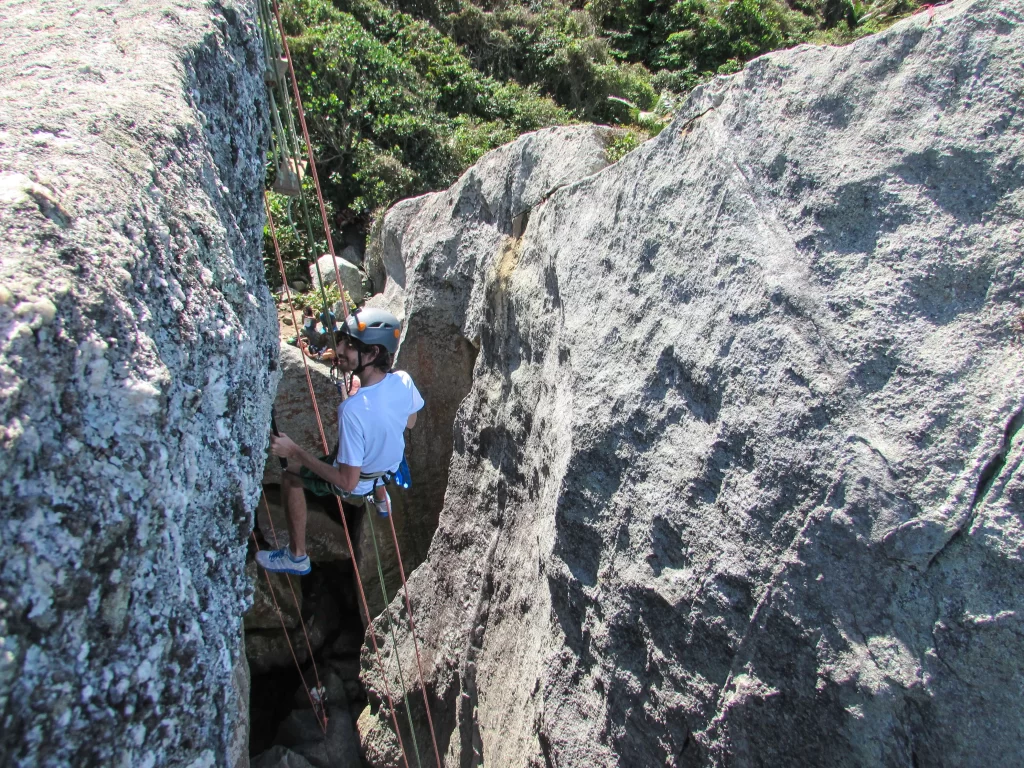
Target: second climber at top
[[371, 434]]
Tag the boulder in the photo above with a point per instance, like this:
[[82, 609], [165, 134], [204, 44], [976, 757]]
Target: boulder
[[491, 198], [138, 342], [351, 275], [379, 746], [351, 254], [338, 748], [267, 646], [737, 479], [273, 600], [280, 757]]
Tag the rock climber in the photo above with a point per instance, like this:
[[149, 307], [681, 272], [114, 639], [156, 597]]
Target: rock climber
[[371, 434]]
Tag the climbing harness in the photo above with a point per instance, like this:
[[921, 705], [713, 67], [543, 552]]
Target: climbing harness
[[290, 169]]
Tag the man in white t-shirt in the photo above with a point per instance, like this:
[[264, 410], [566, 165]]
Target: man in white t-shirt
[[371, 433]]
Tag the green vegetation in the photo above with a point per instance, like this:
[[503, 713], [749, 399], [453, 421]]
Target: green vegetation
[[622, 144], [314, 299], [402, 97]]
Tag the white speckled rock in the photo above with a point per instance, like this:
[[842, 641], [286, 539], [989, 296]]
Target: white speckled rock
[[137, 340], [738, 479]]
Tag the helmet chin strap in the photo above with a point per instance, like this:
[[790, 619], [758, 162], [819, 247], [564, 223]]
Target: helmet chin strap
[[363, 366], [358, 370]]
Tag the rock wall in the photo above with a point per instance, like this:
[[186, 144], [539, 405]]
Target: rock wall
[[441, 337], [737, 480], [137, 344]]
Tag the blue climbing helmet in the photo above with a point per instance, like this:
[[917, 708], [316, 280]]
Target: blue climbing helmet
[[374, 326]]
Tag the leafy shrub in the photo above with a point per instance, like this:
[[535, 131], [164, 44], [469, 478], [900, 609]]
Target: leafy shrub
[[314, 299], [402, 98], [297, 249]]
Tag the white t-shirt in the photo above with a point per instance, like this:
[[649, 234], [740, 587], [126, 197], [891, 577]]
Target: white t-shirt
[[371, 426]]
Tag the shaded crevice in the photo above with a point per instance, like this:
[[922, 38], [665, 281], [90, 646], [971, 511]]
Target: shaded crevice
[[992, 470], [332, 622], [471, 754], [989, 474]]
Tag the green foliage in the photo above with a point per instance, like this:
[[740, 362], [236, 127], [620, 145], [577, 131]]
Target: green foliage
[[293, 239], [314, 299], [686, 41], [395, 107], [622, 143], [402, 97], [701, 36], [553, 47]]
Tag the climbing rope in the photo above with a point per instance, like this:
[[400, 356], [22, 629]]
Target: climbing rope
[[348, 538], [295, 322], [316, 701], [412, 628], [309, 154], [287, 144], [370, 514]]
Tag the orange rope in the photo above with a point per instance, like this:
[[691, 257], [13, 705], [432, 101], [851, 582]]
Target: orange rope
[[321, 718], [341, 511], [344, 522], [291, 306], [309, 154], [298, 609], [412, 629]]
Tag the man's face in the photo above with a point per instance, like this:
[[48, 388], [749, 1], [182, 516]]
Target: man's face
[[348, 355]]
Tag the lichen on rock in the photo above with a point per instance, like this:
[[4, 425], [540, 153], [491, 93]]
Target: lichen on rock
[[137, 348]]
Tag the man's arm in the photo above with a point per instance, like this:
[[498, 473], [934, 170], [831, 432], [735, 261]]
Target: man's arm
[[412, 421], [344, 476]]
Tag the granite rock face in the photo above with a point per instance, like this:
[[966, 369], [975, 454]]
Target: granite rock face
[[137, 347], [737, 477], [293, 409], [441, 337]]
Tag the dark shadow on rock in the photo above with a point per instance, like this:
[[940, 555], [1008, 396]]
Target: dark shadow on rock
[[702, 398], [860, 213], [963, 183], [434, 354]]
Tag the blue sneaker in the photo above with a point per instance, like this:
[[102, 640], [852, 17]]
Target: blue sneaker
[[282, 561]]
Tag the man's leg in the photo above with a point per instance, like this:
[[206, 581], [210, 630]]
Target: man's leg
[[291, 559], [295, 510]]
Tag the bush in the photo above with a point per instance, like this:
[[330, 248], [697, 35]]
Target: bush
[[686, 41], [314, 299], [293, 239], [395, 107], [622, 143], [402, 98]]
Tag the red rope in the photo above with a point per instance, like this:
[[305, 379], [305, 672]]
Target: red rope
[[344, 522], [295, 322], [341, 511], [287, 637], [369, 629], [309, 154], [412, 629], [298, 610]]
